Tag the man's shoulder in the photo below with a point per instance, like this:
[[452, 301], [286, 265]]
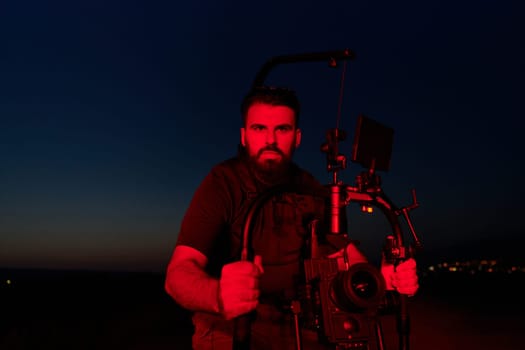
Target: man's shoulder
[[227, 166], [231, 171], [305, 177], [306, 174], [308, 184]]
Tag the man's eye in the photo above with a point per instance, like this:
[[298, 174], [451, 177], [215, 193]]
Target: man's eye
[[284, 129], [257, 128]]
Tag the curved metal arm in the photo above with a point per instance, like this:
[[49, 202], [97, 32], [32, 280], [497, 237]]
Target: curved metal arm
[[391, 212], [331, 56], [383, 203]]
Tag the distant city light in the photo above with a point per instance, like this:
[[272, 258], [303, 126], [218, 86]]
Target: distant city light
[[8, 282], [473, 267]]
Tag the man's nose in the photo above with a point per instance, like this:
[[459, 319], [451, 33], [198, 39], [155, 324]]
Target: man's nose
[[270, 137]]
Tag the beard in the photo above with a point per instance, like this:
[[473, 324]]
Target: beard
[[270, 171]]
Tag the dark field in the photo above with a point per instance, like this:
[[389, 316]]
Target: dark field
[[101, 310]]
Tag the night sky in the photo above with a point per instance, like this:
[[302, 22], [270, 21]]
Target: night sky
[[112, 112]]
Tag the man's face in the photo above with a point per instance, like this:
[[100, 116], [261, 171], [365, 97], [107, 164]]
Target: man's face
[[270, 135]]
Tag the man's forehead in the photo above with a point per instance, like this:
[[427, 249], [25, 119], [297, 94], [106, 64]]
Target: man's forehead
[[261, 113]]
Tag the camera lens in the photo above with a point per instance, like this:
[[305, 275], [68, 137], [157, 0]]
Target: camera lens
[[364, 284], [359, 288]]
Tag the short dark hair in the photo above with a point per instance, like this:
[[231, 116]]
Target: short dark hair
[[275, 96]]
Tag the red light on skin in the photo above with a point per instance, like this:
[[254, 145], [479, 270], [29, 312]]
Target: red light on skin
[[270, 155], [270, 133]]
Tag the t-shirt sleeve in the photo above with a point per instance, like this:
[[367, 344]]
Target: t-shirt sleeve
[[207, 214]]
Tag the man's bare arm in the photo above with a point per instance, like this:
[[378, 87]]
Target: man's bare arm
[[189, 284]]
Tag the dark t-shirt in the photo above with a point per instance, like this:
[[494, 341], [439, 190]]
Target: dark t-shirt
[[214, 221]]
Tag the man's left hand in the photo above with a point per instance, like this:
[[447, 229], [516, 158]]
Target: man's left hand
[[402, 278]]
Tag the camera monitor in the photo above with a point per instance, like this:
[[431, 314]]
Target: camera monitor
[[372, 146]]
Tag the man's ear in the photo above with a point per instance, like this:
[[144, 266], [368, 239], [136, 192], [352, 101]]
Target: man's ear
[[297, 137], [243, 141]]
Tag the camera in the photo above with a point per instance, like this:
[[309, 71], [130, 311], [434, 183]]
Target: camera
[[340, 305]]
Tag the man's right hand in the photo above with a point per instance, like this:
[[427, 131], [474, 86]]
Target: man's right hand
[[239, 287]]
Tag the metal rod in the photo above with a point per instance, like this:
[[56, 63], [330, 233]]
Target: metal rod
[[330, 56]]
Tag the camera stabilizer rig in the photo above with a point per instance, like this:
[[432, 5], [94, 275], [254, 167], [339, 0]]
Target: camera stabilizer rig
[[343, 306], [346, 305]]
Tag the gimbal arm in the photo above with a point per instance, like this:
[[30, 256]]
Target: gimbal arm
[[396, 250], [331, 56]]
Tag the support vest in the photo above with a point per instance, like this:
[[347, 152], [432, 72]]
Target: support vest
[[280, 230]]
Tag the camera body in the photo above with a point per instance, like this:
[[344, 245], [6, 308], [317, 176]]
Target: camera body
[[342, 305]]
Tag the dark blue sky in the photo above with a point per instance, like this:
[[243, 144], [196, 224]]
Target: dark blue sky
[[113, 111]]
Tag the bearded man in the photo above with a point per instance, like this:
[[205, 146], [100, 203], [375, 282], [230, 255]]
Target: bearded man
[[205, 275]]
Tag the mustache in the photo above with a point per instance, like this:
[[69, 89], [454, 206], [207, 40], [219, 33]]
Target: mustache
[[272, 148]]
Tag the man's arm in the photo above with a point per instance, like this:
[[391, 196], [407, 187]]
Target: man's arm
[[189, 284], [236, 293]]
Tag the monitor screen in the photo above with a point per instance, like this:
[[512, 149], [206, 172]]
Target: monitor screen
[[372, 146]]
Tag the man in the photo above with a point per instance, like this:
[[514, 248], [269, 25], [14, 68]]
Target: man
[[205, 275]]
